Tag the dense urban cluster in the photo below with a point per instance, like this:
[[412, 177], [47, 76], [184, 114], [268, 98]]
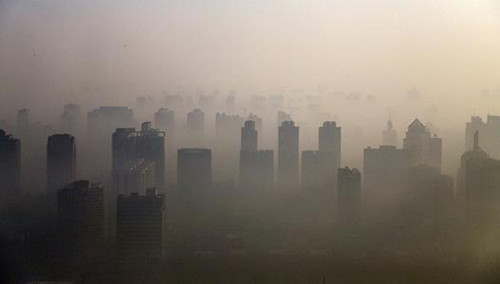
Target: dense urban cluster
[[193, 196]]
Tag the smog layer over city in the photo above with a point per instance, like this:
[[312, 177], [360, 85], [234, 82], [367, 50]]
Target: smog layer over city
[[250, 141]]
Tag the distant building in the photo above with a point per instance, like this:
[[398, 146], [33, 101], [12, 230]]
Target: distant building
[[329, 146], [70, 119], [384, 175], [317, 172], [282, 117], [165, 120], [140, 226], [256, 166], [194, 169], [134, 176], [10, 168], [389, 136], [196, 127], [422, 148], [349, 195], [257, 120], [482, 190], [147, 144], [23, 121], [489, 132], [475, 152], [227, 145], [101, 123], [288, 155], [61, 162], [80, 214]]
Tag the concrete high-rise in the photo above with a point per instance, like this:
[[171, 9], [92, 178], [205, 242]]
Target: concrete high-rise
[[140, 225], [422, 148], [80, 213], [61, 162], [195, 127], [70, 119], [329, 147], [256, 166], [227, 146], [489, 132], [147, 144], [194, 169], [349, 195], [10, 168], [288, 155]]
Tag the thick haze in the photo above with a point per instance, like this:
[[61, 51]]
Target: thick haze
[[109, 52]]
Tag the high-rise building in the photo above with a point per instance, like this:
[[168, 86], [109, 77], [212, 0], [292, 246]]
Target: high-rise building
[[329, 146], [194, 169], [475, 152], [165, 120], [227, 145], [482, 190], [389, 136], [256, 166], [195, 127], [140, 225], [489, 132], [147, 144], [101, 123], [349, 195], [282, 117], [61, 162], [70, 119], [80, 213], [422, 148], [10, 168], [384, 175], [134, 176], [257, 120], [317, 171], [288, 155]]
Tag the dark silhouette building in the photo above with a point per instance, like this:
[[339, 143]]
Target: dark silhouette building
[[80, 214], [227, 145], [10, 168], [349, 195], [61, 162], [134, 176], [147, 144], [194, 169], [140, 226], [329, 146], [256, 166], [475, 152], [384, 175], [489, 132], [288, 155], [422, 148], [71, 119], [195, 127]]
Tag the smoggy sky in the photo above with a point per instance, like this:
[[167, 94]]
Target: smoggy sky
[[109, 52]]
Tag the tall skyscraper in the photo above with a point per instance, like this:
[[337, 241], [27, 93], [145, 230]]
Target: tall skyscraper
[[165, 120], [80, 214], [101, 123], [288, 155], [194, 169], [384, 175], [489, 132], [475, 152], [140, 225], [61, 162], [422, 148], [227, 145], [329, 146], [130, 145], [349, 195], [195, 127], [256, 166], [70, 119], [10, 168], [282, 117], [389, 136]]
